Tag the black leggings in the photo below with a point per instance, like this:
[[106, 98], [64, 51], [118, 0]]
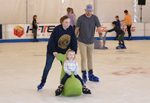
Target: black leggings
[[34, 31], [66, 76], [129, 30]]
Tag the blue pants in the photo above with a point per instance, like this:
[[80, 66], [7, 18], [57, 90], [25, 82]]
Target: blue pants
[[49, 61]]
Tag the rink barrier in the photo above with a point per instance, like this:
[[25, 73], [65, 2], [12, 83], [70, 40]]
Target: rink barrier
[[23, 32], [46, 40]]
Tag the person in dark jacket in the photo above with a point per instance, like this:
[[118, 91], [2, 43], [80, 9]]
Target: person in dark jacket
[[62, 39], [34, 27], [120, 34], [118, 24]]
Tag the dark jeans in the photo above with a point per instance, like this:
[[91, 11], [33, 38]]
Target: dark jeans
[[66, 76], [34, 31], [129, 31], [49, 61]]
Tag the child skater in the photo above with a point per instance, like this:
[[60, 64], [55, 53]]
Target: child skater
[[118, 24], [120, 34], [35, 27], [71, 66]]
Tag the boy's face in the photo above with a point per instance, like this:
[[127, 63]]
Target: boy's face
[[117, 18], [71, 55], [125, 13]]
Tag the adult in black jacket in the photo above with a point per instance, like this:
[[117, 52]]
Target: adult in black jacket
[[62, 39], [34, 27]]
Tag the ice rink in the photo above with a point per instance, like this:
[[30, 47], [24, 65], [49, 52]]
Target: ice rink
[[125, 74]]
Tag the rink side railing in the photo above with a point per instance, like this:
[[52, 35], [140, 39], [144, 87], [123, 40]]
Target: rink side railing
[[23, 32]]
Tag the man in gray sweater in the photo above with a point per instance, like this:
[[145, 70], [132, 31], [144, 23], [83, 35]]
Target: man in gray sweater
[[85, 30]]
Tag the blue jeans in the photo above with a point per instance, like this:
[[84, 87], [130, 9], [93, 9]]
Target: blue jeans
[[49, 61]]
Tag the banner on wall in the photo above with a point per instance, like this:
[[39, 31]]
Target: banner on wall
[[24, 31]]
